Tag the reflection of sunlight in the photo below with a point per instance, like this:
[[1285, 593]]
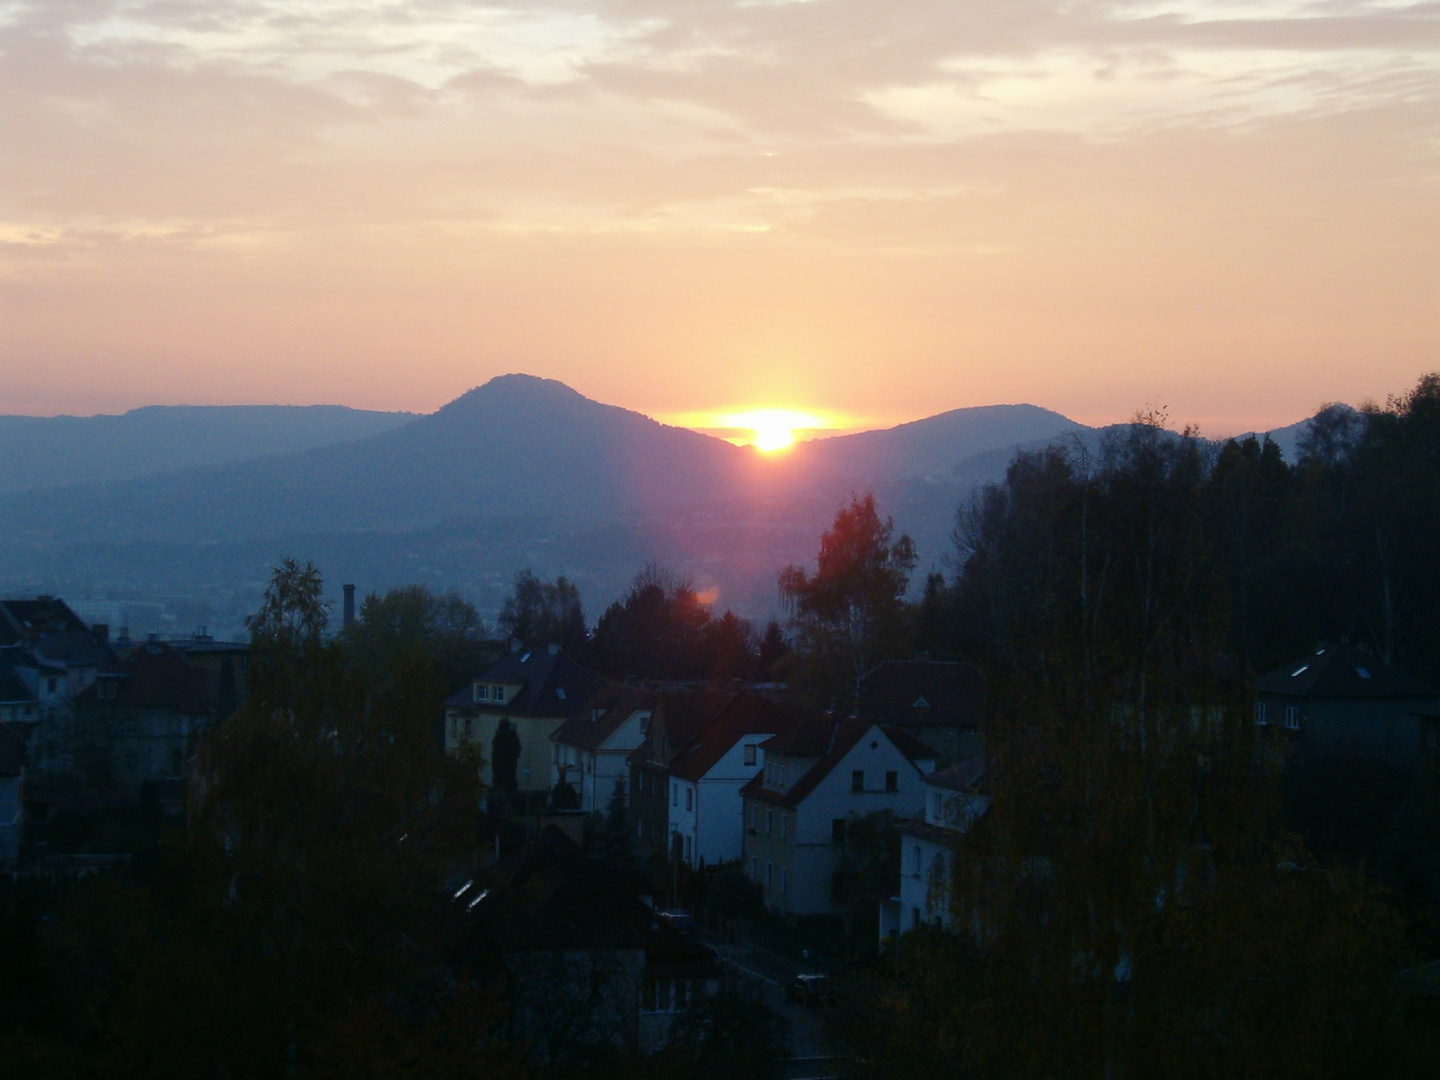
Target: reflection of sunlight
[[768, 430]]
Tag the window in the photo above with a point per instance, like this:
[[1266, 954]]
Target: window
[[1292, 717], [244, 664], [857, 780], [482, 693], [769, 822], [837, 831], [497, 693], [557, 753], [915, 859], [749, 753], [754, 816], [837, 887], [769, 875], [935, 807], [782, 881], [644, 725], [674, 793], [892, 781], [689, 798], [640, 830], [689, 848], [50, 686], [1260, 712], [784, 824], [469, 727], [914, 918], [454, 728], [754, 868]]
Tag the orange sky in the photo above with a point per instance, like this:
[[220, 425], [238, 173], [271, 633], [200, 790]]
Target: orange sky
[[881, 210]]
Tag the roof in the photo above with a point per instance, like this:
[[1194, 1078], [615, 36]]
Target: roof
[[12, 753], [551, 684], [922, 693], [616, 704], [156, 676], [967, 775], [918, 827], [1343, 671], [52, 628], [745, 714], [13, 690], [838, 737], [683, 716]]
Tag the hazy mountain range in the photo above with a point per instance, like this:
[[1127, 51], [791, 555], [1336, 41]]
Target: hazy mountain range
[[519, 472]]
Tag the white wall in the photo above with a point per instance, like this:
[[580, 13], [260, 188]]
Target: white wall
[[714, 821]]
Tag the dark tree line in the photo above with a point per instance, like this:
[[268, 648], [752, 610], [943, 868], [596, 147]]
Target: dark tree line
[[1132, 904]]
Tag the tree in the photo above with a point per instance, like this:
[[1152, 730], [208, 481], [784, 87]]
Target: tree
[[1122, 899], [657, 631], [725, 1036], [538, 614], [850, 614], [774, 650], [413, 621], [727, 643]]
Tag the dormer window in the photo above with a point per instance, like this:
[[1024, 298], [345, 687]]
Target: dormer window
[[560, 693], [482, 693], [497, 693]]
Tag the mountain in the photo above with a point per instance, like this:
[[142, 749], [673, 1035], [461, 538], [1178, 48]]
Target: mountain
[[516, 447], [52, 451], [935, 447]]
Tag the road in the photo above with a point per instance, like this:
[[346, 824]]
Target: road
[[767, 976]]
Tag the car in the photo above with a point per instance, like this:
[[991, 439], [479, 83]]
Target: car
[[810, 990]]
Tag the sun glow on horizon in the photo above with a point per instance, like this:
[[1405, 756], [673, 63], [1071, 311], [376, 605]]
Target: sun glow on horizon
[[769, 430]]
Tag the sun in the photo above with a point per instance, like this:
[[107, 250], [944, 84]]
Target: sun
[[769, 430], [773, 429]]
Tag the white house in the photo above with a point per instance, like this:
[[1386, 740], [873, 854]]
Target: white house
[[816, 777], [590, 748], [705, 814], [954, 799]]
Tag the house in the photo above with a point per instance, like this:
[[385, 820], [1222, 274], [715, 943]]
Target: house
[[12, 794], [954, 798], [817, 777], [704, 746], [679, 718], [706, 815], [143, 719], [19, 704], [57, 639], [534, 692], [1343, 702], [229, 660], [937, 702], [591, 747]]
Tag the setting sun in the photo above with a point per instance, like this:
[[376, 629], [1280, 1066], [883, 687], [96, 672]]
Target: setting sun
[[768, 430]]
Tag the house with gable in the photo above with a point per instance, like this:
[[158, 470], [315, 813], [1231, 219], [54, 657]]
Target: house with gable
[[816, 777], [57, 640], [678, 719], [591, 748], [144, 718], [955, 798], [1343, 702], [534, 692], [938, 702], [706, 819]]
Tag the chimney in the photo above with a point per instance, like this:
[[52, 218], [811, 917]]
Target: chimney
[[102, 632], [349, 617]]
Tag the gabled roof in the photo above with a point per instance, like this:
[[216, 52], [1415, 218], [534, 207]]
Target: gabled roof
[[922, 693], [48, 625], [745, 714], [967, 775], [838, 736], [12, 753], [551, 684], [156, 676], [1343, 671], [616, 704]]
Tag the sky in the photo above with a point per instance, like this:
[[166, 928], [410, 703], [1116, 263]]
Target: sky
[[870, 211]]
